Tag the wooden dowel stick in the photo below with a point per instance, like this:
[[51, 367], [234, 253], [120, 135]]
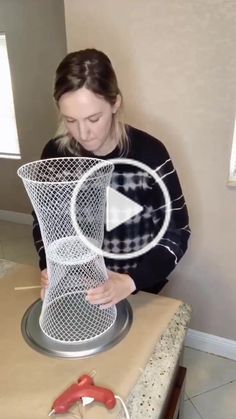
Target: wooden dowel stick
[[30, 287]]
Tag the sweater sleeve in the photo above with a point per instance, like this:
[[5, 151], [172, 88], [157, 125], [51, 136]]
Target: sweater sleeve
[[48, 152], [38, 242], [159, 262]]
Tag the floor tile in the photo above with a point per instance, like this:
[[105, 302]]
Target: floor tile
[[217, 404], [190, 411], [9, 231], [186, 396], [20, 250], [206, 372]]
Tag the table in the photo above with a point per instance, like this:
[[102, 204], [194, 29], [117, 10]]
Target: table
[[149, 378]]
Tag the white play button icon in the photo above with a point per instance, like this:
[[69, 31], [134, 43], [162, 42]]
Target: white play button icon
[[119, 209]]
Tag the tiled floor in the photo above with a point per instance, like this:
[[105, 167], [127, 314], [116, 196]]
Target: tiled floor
[[210, 386], [211, 380]]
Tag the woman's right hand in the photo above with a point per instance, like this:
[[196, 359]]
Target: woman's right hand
[[44, 282]]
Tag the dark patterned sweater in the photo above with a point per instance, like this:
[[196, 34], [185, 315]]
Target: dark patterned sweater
[[149, 271]]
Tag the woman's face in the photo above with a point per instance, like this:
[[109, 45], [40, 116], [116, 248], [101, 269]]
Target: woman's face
[[88, 118]]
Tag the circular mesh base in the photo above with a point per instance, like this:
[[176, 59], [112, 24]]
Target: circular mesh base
[[37, 340], [71, 318]]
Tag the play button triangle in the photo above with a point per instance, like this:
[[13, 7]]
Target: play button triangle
[[119, 209]]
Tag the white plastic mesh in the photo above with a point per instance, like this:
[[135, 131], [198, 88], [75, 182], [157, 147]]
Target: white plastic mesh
[[73, 268]]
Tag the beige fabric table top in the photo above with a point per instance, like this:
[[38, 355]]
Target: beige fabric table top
[[30, 382]]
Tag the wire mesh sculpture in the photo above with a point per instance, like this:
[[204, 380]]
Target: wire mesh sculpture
[[73, 267]]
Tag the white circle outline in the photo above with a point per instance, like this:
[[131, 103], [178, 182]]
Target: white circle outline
[[157, 238]]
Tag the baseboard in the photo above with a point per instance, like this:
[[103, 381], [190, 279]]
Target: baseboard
[[210, 343], [16, 217]]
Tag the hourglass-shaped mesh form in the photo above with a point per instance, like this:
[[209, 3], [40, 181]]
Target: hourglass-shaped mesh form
[[73, 267]]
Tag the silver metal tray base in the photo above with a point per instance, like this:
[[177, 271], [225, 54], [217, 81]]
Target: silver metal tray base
[[35, 337]]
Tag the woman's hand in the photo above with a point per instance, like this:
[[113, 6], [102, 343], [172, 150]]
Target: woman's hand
[[44, 282], [116, 288]]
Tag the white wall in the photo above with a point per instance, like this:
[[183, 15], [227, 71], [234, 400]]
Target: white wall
[[176, 64], [36, 41]]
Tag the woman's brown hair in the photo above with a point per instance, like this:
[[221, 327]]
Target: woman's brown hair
[[92, 69]]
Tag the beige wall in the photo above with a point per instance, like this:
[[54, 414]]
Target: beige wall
[[175, 60], [35, 31]]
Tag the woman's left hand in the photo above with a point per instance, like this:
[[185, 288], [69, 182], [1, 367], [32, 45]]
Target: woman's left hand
[[116, 288]]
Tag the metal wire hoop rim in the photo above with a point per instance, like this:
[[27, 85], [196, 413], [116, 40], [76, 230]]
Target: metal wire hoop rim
[[24, 178]]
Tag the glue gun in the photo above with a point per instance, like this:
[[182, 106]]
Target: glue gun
[[86, 391]]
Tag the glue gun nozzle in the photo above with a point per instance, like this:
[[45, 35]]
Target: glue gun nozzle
[[52, 412]]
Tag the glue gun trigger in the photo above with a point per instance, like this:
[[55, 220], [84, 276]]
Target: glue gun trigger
[[87, 400]]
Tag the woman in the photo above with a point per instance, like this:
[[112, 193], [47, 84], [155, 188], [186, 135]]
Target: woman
[[90, 106]]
